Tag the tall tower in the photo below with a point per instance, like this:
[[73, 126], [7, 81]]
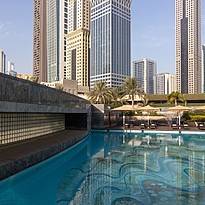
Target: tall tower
[[2, 61], [78, 41], [144, 70], [40, 41], [203, 68], [188, 46], [57, 21], [110, 41]]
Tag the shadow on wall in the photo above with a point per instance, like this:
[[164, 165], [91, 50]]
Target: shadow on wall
[[77, 121]]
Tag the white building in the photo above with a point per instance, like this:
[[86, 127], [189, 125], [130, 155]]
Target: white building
[[144, 70], [2, 61], [164, 83], [11, 69]]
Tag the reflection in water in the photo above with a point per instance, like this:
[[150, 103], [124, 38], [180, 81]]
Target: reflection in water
[[138, 169]]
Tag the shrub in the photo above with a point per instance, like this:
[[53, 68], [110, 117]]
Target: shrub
[[198, 118], [186, 115]]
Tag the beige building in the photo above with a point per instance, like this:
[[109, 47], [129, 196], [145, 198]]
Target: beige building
[[78, 41], [188, 46], [69, 86], [39, 41]]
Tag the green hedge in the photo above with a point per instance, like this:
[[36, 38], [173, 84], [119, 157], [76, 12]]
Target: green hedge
[[197, 118]]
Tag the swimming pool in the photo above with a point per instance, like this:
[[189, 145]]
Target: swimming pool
[[114, 168]]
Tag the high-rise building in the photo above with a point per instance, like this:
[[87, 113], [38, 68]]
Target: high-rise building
[[164, 83], [203, 68], [40, 41], [2, 61], [50, 27], [144, 70], [78, 41], [110, 41], [188, 46], [57, 23]]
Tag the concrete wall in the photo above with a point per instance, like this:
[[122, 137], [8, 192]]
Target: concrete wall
[[102, 117], [30, 110], [18, 95]]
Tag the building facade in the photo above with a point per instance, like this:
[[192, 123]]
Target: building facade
[[144, 70], [11, 69], [40, 41], [110, 41], [188, 46], [203, 68], [50, 27], [164, 83], [78, 41], [2, 61], [57, 27]]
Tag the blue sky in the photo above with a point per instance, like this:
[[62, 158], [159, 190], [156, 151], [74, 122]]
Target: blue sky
[[153, 32]]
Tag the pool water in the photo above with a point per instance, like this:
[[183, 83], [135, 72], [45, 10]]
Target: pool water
[[116, 168]]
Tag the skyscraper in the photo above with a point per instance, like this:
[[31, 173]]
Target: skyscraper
[[50, 27], [78, 41], [188, 46], [57, 22], [40, 41], [110, 41], [144, 70], [2, 61], [164, 83], [203, 68]]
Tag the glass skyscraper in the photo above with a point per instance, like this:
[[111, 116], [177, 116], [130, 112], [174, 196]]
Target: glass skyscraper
[[57, 15], [110, 41]]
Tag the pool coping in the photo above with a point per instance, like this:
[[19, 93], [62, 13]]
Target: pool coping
[[152, 131]]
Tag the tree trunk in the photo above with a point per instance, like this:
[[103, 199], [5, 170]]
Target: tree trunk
[[132, 101]]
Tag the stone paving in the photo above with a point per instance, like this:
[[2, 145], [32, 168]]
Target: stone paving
[[21, 155]]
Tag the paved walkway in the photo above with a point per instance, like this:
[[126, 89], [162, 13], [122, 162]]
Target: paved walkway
[[21, 155]]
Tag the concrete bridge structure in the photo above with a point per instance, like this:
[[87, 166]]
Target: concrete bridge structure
[[30, 110]]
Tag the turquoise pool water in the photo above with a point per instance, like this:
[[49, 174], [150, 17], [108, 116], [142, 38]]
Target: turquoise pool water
[[116, 169]]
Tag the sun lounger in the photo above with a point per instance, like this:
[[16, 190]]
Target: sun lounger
[[153, 125], [175, 126], [201, 126], [142, 126], [185, 125], [127, 125]]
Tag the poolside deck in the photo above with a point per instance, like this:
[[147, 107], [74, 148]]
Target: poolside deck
[[21, 155], [158, 128]]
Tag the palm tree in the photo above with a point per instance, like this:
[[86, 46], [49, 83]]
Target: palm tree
[[175, 97], [144, 99], [117, 97], [132, 88], [100, 94]]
